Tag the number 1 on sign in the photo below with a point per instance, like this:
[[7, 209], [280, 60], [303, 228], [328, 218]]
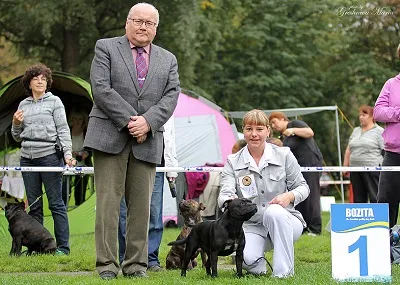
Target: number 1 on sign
[[361, 245]]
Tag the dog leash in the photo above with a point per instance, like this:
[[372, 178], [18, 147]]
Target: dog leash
[[37, 199], [257, 260], [45, 192]]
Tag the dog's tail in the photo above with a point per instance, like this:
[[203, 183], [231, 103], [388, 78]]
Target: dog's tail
[[178, 242]]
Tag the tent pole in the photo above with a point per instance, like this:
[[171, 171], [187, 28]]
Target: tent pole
[[339, 151]]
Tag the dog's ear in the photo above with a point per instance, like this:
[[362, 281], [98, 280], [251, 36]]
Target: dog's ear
[[202, 206], [179, 206], [225, 205]]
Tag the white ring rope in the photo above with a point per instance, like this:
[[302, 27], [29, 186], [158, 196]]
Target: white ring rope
[[89, 170]]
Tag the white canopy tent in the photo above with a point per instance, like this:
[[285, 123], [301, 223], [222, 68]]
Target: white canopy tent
[[294, 112]]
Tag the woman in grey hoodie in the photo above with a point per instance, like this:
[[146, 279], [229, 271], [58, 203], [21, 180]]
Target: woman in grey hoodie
[[38, 123]]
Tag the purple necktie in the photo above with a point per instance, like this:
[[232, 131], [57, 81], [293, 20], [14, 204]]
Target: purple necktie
[[141, 66]]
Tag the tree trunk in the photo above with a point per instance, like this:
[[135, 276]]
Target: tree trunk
[[70, 54]]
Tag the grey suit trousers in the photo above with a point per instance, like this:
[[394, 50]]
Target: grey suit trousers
[[116, 175]]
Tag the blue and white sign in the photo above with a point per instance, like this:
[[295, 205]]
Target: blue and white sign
[[360, 242]]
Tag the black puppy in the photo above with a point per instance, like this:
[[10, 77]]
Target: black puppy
[[26, 231], [221, 237]]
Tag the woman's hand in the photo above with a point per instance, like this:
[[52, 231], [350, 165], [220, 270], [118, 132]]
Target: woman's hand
[[283, 199], [233, 196], [71, 162], [18, 117], [288, 132]]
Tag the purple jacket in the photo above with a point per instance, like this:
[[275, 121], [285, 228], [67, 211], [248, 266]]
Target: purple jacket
[[387, 110]]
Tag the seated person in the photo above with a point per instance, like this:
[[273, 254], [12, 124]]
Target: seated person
[[270, 176]]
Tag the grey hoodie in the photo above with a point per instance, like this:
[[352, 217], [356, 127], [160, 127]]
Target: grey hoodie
[[44, 121]]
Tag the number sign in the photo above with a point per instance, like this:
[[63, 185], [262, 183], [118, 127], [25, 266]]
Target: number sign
[[360, 242]]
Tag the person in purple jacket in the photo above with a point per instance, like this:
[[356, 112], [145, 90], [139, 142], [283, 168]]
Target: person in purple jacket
[[387, 110]]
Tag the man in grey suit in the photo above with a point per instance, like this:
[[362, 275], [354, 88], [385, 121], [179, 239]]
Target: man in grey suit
[[135, 88]]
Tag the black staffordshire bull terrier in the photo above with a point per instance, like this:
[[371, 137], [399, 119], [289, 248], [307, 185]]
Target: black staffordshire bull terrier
[[26, 231], [221, 237], [190, 211]]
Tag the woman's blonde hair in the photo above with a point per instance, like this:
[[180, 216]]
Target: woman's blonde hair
[[255, 117]]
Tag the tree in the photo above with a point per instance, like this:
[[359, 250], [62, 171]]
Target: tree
[[359, 57], [62, 33], [242, 54], [51, 31], [265, 57]]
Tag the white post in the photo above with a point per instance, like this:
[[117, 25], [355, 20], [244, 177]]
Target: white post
[[339, 151]]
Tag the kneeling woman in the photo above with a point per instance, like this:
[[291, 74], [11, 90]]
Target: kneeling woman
[[270, 176]]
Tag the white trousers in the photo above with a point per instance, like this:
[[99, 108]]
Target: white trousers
[[283, 230]]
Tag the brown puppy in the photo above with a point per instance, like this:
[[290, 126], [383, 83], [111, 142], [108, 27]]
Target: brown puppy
[[219, 238], [190, 210], [26, 231]]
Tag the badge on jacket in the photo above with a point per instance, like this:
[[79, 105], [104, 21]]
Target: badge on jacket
[[248, 186]]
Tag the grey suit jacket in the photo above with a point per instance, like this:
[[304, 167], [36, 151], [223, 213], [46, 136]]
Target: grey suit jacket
[[117, 96]]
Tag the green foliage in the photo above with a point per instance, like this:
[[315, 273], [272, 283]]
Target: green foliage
[[62, 33], [241, 54], [358, 57], [266, 57], [177, 32], [47, 30]]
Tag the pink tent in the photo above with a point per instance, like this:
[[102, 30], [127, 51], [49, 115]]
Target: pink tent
[[203, 134]]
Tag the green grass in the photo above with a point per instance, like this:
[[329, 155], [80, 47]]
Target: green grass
[[312, 266]]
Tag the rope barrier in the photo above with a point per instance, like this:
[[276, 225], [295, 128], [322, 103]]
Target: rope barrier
[[343, 116], [333, 182], [90, 170]]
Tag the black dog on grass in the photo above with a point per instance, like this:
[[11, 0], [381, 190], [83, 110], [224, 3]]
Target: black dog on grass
[[219, 238], [26, 231]]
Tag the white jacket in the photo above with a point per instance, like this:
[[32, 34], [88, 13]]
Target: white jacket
[[279, 173], [170, 157]]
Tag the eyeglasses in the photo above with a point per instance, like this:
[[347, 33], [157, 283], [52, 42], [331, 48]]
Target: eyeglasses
[[139, 23]]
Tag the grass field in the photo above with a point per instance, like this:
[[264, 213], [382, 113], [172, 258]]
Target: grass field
[[312, 266]]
